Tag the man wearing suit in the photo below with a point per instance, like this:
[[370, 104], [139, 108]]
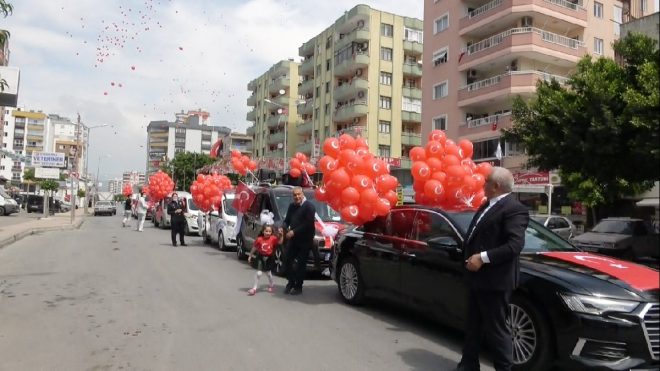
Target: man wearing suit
[[492, 248], [176, 209], [299, 224]]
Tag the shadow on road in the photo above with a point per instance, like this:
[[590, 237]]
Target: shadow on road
[[423, 360]]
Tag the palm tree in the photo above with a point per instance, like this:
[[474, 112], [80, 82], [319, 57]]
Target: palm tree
[[6, 8]]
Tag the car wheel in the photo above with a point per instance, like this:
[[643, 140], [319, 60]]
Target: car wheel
[[221, 242], [240, 248], [2, 211], [186, 230], [530, 333], [205, 236], [351, 287], [280, 264], [155, 222]]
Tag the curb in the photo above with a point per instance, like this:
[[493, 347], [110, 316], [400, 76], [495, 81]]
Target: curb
[[20, 235]]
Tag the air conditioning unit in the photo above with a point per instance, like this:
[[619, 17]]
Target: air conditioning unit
[[527, 22], [356, 120], [360, 23], [472, 73], [360, 94], [358, 72]]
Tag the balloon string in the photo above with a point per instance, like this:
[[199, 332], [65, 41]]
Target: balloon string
[[309, 179]]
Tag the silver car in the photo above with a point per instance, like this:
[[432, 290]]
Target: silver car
[[558, 224]]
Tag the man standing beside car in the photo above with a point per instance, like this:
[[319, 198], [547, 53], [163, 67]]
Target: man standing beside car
[[492, 249], [141, 211], [176, 210], [300, 230]]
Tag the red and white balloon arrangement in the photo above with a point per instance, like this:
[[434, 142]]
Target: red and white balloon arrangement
[[207, 190], [242, 163], [300, 165], [445, 175], [127, 190], [355, 183], [160, 185]]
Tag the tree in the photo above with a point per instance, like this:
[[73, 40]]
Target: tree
[[49, 184], [601, 129], [28, 177], [81, 193], [183, 168], [119, 197], [6, 9]]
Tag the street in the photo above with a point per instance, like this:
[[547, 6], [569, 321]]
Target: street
[[19, 217], [107, 298]]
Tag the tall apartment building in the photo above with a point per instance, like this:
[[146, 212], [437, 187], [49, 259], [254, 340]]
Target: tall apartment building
[[10, 78], [62, 137], [24, 133], [480, 54], [133, 178], [237, 141], [115, 186], [274, 112], [363, 76], [192, 134]]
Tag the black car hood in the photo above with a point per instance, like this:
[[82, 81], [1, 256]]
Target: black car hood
[[595, 274]]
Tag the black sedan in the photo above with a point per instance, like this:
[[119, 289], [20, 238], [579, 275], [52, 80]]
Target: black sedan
[[573, 310]]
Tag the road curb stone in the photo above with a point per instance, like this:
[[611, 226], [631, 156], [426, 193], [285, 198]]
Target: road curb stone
[[30, 231]]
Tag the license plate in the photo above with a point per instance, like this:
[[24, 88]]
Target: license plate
[[327, 256]]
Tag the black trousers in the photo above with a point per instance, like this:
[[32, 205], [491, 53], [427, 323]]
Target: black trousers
[[177, 228], [296, 264], [486, 321]]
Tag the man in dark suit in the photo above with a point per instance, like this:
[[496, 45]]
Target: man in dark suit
[[492, 248], [176, 209], [299, 224]]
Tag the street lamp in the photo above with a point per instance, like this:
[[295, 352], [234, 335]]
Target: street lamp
[[88, 128]]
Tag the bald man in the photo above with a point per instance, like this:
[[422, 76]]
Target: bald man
[[300, 230], [492, 249]]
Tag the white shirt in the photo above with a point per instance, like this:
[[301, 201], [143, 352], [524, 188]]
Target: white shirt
[[491, 203], [142, 206]]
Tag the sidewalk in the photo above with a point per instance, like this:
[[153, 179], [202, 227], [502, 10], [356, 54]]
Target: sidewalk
[[58, 222]]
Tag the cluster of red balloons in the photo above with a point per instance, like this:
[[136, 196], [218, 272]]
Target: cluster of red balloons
[[299, 164], [127, 190], [355, 183], [160, 185], [445, 175], [207, 190], [242, 163]]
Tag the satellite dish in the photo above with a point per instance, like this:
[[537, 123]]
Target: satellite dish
[[279, 111], [282, 91], [280, 145]]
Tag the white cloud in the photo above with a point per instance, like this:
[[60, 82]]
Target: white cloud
[[225, 45]]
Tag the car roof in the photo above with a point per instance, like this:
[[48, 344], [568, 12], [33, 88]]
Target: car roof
[[623, 218]]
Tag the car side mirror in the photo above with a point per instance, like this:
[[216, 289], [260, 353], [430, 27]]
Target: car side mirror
[[443, 243]]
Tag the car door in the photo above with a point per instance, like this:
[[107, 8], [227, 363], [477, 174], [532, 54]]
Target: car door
[[212, 225], [432, 268], [251, 220], [561, 227]]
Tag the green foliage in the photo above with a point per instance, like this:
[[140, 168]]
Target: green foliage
[[28, 175], [6, 8], [49, 184], [119, 197], [81, 193], [183, 168], [601, 130]]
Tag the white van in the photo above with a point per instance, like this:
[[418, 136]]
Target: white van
[[7, 204], [162, 219], [219, 225]]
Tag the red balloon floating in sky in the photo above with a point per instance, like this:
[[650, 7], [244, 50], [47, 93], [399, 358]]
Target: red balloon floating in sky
[[133, 68]]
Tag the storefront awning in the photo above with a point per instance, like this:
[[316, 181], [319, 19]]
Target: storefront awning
[[649, 202]]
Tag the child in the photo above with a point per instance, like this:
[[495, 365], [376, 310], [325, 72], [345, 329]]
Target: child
[[265, 246]]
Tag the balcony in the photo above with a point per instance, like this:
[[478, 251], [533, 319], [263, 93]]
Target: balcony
[[501, 87], [349, 66], [412, 47], [305, 127], [531, 42], [250, 131], [358, 35], [306, 67], [274, 121], [306, 108], [276, 138], [348, 90], [281, 68], [350, 112], [406, 163], [485, 124], [252, 100], [411, 139], [251, 116], [412, 93], [252, 85], [412, 69], [499, 13], [280, 83], [278, 153], [408, 116], [305, 147], [355, 131], [307, 48], [306, 87], [350, 19]]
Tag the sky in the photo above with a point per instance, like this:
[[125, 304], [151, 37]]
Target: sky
[[126, 63]]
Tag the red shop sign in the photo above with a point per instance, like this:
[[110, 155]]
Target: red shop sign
[[540, 177]]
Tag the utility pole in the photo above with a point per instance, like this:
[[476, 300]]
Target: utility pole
[[74, 169]]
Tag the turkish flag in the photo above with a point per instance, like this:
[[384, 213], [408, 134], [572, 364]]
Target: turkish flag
[[493, 127], [244, 197]]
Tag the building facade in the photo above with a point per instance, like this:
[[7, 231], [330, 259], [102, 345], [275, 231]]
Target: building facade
[[115, 186], [63, 138], [237, 141], [133, 178], [274, 112], [24, 132]]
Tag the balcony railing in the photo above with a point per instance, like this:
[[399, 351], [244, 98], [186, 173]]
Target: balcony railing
[[489, 120], [357, 34], [351, 111], [566, 4], [412, 139], [484, 8], [497, 79], [546, 36], [304, 127]]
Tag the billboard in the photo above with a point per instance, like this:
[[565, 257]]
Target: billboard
[[48, 159], [46, 173]]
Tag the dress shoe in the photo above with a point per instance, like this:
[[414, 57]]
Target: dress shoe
[[183, 244], [287, 290], [174, 244], [296, 292]]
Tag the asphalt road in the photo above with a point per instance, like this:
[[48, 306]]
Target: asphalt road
[[17, 218], [109, 298]]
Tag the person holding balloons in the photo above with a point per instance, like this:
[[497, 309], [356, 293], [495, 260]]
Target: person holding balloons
[[300, 230]]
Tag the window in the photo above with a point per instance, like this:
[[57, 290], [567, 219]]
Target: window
[[598, 46], [386, 54], [327, 87], [318, 70], [440, 56], [413, 35], [318, 92], [598, 9], [440, 90], [440, 122], [383, 151], [513, 149], [384, 127], [316, 112], [441, 24], [327, 64], [385, 102], [485, 149], [411, 104], [386, 78], [430, 224], [618, 19], [410, 83], [642, 6], [327, 108], [386, 29], [328, 42]]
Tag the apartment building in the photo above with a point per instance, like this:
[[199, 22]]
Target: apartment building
[[363, 76], [480, 54], [133, 178], [237, 141], [190, 132], [274, 112], [24, 133], [62, 137], [115, 186]]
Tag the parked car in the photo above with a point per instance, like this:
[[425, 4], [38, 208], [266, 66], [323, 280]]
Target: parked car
[[104, 208], [34, 204], [572, 309], [277, 200], [558, 224], [7, 204], [163, 219], [623, 237], [219, 225]]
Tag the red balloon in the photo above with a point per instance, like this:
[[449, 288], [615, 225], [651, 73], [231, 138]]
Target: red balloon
[[484, 169], [350, 213], [382, 185], [327, 164], [418, 186], [434, 163], [417, 154], [361, 143], [433, 190], [295, 172], [440, 176], [235, 153], [392, 197], [434, 149], [321, 193], [452, 149], [346, 156], [361, 182], [331, 147], [420, 170], [252, 165], [346, 142], [366, 212], [350, 196], [340, 178], [368, 197], [382, 207], [438, 135], [450, 160], [294, 163], [467, 148], [479, 181], [301, 156], [310, 169]]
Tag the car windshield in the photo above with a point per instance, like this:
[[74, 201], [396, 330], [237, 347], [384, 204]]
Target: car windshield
[[3, 193], [227, 205], [103, 203], [540, 219], [614, 226], [325, 212], [191, 205]]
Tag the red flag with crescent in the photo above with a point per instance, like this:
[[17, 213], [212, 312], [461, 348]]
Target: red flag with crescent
[[244, 197]]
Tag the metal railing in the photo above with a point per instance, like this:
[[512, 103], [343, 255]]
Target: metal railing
[[475, 123], [566, 4], [546, 36], [497, 79], [484, 8]]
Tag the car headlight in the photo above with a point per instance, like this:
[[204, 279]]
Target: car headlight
[[597, 305]]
